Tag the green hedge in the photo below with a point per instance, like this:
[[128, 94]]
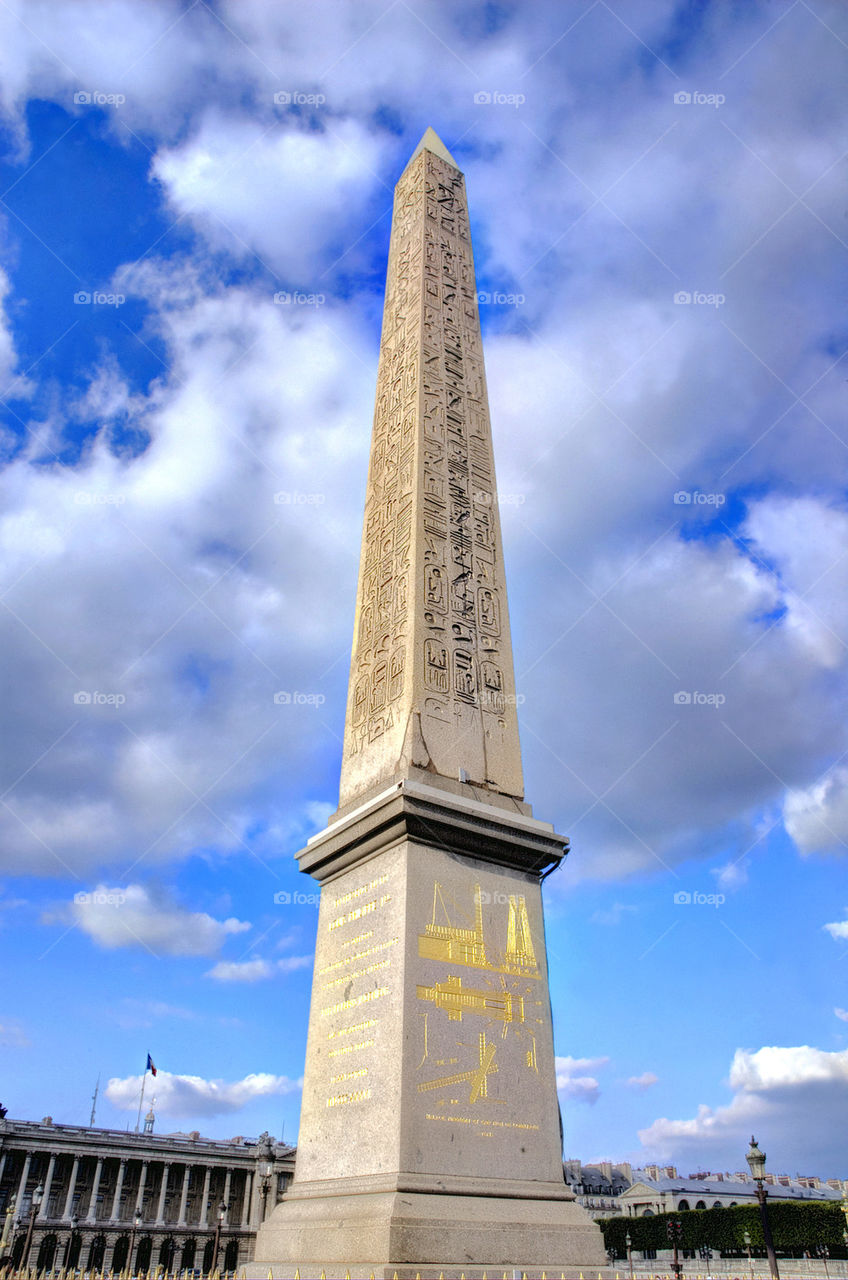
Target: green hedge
[[796, 1228]]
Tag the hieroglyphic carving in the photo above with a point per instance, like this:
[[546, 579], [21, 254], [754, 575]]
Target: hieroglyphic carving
[[432, 615]]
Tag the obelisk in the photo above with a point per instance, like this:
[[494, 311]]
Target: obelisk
[[429, 1135]]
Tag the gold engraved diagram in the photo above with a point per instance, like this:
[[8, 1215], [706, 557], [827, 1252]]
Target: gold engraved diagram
[[456, 1000], [442, 940], [477, 1077]]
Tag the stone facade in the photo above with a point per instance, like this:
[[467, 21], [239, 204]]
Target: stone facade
[[94, 1179]]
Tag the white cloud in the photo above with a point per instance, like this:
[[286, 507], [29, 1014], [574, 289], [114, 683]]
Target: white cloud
[[797, 1095], [613, 915], [13, 1036], [838, 929], [180, 1095], [816, 817], [256, 970], [644, 1081], [135, 915], [573, 1080], [842, 1014]]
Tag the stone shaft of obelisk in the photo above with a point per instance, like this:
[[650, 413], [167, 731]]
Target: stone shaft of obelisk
[[432, 687]]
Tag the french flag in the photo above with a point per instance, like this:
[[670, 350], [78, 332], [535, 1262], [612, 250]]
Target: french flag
[[151, 1066]]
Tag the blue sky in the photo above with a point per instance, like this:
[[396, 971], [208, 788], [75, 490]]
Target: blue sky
[[657, 201]]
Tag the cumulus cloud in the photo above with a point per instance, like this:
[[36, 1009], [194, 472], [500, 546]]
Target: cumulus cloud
[[842, 1014], [574, 1081], [772, 1087], [642, 1082], [838, 929], [816, 817], [256, 970], [183, 1095], [137, 916]]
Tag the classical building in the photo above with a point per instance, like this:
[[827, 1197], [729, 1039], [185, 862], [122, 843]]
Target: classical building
[[597, 1187], [663, 1194], [92, 1185]]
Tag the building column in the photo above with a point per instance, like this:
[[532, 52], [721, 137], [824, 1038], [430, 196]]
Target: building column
[[51, 1165], [248, 1194], [204, 1202], [184, 1196], [163, 1189], [91, 1216], [19, 1203], [2, 1164], [142, 1183], [119, 1186], [72, 1186]]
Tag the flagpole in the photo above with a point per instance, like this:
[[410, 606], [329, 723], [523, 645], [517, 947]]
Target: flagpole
[[141, 1099]]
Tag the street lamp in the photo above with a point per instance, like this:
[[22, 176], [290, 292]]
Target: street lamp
[[824, 1254], [70, 1239], [136, 1223], [757, 1164], [746, 1236], [222, 1209], [37, 1197], [628, 1244], [265, 1168]]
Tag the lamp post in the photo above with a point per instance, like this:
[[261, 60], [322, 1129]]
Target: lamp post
[[222, 1209], [70, 1239], [628, 1244], [824, 1254], [265, 1169], [136, 1223], [757, 1164], [746, 1237], [37, 1197]]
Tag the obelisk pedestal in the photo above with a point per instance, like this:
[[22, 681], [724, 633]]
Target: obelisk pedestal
[[429, 1137]]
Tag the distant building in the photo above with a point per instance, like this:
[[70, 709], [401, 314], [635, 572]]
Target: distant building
[[93, 1180], [647, 1195], [598, 1187]]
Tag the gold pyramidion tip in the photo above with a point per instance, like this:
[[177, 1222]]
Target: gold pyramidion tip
[[432, 142]]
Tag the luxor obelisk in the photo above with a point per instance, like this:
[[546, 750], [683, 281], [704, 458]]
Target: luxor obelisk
[[429, 1135]]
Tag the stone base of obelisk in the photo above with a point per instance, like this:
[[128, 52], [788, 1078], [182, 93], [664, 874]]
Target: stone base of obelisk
[[412, 1234]]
